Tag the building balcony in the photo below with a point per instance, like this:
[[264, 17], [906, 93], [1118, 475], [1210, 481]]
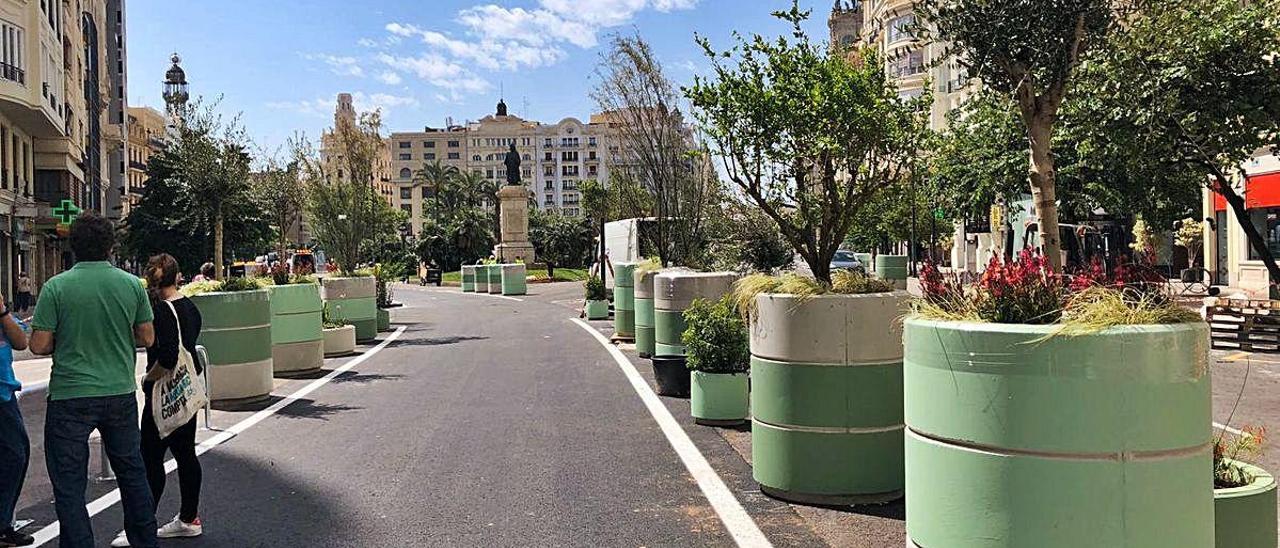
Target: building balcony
[[134, 164], [13, 74]]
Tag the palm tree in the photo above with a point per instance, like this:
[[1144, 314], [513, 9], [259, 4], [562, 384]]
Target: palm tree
[[479, 191], [441, 179]]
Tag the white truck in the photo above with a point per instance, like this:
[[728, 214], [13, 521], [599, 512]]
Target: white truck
[[623, 242]]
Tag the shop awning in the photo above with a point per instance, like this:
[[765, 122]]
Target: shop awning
[[1262, 190]]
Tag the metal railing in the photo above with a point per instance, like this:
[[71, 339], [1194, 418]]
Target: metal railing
[[13, 74]]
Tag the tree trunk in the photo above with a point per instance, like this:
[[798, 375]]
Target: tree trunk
[[1043, 190], [217, 244], [1256, 241]]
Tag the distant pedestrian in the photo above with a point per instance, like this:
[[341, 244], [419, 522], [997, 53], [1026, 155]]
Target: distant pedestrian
[[24, 292], [176, 319], [207, 273], [15, 447], [91, 318]]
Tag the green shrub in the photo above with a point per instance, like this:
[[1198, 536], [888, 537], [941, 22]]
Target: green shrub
[[196, 288], [593, 289], [716, 339], [244, 284], [328, 321]]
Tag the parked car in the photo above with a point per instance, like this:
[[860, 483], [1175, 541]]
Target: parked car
[[846, 260]]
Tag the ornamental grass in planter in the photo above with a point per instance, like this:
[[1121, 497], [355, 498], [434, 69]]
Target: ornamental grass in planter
[[1244, 495], [236, 331], [597, 298], [1054, 412], [717, 352], [826, 387]]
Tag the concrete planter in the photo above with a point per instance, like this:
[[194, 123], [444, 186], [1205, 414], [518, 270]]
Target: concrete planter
[[597, 310], [1097, 440], [296, 340], [719, 399], [673, 292], [384, 320], [624, 301], [514, 279], [236, 330], [494, 271], [482, 278], [468, 278], [892, 268], [865, 259], [353, 300], [340, 341], [1245, 517], [643, 285], [826, 398]]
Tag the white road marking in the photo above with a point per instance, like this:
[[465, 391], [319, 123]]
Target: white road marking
[[50, 532], [736, 519], [1228, 428], [472, 293]]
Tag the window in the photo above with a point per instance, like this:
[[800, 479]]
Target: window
[[475, 158], [405, 144], [428, 156], [546, 157], [902, 28], [488, 173], [549, 171], [406, 193], [525, 157], [591, 141], [406, 157], [569, 156], [907, 65], [1267, 221], [11, 53], [429, 144], [549, 186], [405, 173], [591, 170], [568, 141], [455, 156], [591, 155], [569, 171], [546, 142], [454, 144], [526, 173]]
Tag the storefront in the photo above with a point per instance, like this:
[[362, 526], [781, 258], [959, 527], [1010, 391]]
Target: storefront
[[1227, 253]]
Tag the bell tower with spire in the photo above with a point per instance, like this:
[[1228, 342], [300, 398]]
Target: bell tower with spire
[[176, 93]]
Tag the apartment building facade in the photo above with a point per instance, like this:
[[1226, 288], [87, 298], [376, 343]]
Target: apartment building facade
[[147, 130], [59, 63], [555, 158]]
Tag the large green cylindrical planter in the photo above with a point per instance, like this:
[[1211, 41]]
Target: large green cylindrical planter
[[1245, 517], [673, 292], [235, 328], [468, 278], [643, 285], [1016, 438], [494, 271], [482, 278], [353, 300], [826, 398], [297, 330], [624, 301], [719, 399], [514, 279], [384, 320], [892, 268]]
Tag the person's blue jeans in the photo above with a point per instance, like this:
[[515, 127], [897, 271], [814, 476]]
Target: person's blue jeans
[[15, 451], [66, 449]]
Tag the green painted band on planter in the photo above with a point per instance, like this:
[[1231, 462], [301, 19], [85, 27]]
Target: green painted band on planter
[[663, 349], [668, 327], [235, 326], [296, 328], [597, 310], [295, 298], [482, 279], [624, 298], [644, 313], [718, 396], [514, 287], [644, 341], [1137, 388], [1245, 517], [824, 464], [825, 395], [891, 267], [969, 499], [494, 273], [366, 329], [624, 323], [624, 275]]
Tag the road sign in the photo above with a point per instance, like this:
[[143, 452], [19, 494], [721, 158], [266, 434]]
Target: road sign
[[66, 212]]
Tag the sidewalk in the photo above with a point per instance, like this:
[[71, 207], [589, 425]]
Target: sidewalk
[[33, 371]]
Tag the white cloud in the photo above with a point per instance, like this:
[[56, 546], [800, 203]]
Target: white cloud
[[340, 65], [390, 78], [367, 43], [318, 106], [364, 102], [436, 70]]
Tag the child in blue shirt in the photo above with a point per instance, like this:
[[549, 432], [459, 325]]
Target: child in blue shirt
[[15, 448]]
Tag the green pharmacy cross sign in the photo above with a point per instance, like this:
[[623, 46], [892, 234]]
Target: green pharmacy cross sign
[[66, 212]]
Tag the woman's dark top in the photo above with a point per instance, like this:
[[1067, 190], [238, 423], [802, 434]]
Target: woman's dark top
[[165, 350]]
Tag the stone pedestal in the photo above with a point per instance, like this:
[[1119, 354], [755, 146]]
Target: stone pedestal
[[514, 219]]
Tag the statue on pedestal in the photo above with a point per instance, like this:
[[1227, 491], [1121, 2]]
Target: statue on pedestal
[[514, 217]]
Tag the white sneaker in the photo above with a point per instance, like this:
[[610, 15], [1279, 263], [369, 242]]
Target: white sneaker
[[120, 541], [179, 529]]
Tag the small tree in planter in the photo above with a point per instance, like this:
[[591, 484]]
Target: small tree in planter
[[716, 350], [597, 298], [1023, 384]]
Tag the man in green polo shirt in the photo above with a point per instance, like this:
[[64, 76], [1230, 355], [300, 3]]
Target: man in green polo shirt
[[91, 318]]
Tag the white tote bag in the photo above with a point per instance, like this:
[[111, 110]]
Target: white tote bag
[[179, 394]]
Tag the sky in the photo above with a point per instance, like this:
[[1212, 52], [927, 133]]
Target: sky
[[279, 64]]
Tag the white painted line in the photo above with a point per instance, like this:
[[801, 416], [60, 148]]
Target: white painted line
[[736, 519], [483, 295], [50, 532], [1228, 428]]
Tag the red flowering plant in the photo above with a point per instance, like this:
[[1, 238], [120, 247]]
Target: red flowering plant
[[1022, 291]]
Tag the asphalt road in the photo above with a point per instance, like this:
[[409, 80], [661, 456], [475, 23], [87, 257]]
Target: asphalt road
[[500, 422]]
